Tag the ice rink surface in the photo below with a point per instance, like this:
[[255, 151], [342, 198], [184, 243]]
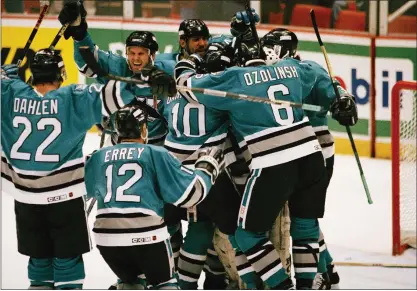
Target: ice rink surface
[[354, 232]]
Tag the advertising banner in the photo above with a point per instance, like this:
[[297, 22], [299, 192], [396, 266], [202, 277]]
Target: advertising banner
[[350, 57]]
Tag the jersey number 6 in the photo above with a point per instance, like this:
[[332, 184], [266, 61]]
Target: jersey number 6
[[283, 115]]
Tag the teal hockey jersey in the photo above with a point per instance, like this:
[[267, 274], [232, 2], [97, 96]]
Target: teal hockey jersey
[[131, 182], [117, 65], [168, 57], [319, 119], [274, 134], [42, 137], [192, 127]]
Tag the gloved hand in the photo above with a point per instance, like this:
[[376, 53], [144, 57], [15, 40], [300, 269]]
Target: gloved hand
[[211, 161], [162, 84], [193, 62], [10, 71], [240, 25], [74, 13], [345, 110]]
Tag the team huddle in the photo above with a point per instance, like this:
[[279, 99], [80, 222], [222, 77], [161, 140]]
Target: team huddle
[[249, 178]]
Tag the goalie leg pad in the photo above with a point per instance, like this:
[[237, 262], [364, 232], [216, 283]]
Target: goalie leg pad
[[281, 239], [226, 254]]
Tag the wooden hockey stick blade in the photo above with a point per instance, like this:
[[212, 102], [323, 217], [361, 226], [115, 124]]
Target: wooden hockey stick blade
[[358, 264], [348, 131], [34, 32], [217, 93]]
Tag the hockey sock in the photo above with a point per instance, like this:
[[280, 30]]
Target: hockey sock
[[41, 272], [193, 253], [322, 267], [175, 231], [333, 275], [305, 250], [69, 273], [262, 256], [215, 272], [244, 268]]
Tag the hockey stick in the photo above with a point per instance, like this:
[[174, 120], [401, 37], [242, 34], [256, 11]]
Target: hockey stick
[[252, 22], [352, 142], [34, 31], [58, 36], [358, 264], [92, 63]]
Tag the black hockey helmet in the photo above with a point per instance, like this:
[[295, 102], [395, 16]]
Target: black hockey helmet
[[193, 28], [47, 66], [250, 54], [144, 39], [218, 57], [279, 43], [129, 119]]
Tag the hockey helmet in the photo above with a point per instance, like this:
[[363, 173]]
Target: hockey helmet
[[250, 54], [193, 28], [47, 66], [144, 39], [278, 44]]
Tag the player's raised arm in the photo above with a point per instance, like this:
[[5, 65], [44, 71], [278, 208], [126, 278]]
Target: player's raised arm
[[188, 187], [74, 12]]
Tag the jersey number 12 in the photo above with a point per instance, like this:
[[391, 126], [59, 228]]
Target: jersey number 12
[[120, 196]]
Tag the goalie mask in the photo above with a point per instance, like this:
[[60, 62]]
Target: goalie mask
[[47, 66], [278, 44]]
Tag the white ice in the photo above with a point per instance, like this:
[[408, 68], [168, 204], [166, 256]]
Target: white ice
[[354, 230]]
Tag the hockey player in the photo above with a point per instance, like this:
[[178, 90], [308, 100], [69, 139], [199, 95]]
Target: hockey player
[[193, 39], [193, 128], [284, 149], [141, 47], [132, 181], [278, 44], [43, 130]]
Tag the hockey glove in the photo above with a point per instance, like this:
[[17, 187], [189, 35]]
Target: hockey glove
[[210, 161], [194, 63], [74, 13], [240, 25], [162, 84], [345, 110], [10, 72]]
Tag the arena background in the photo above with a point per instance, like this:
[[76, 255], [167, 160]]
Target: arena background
[[367, 62]]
